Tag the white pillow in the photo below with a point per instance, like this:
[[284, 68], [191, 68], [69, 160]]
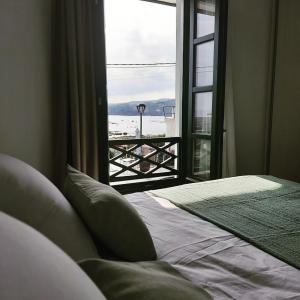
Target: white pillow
[[33, 268], [27, 195]]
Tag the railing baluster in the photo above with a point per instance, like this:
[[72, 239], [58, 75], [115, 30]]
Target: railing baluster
[[152, 158]]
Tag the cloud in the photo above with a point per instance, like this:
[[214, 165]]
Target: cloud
[[140, 32], [134, 83]]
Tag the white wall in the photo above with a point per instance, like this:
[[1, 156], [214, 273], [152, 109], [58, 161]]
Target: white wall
[[25, 81], [249, 44], [285, 146]]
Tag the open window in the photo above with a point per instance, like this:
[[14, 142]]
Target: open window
[[141, 72], [205, 101], [191, 145]]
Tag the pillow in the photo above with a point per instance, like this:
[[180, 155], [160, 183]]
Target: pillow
[[33, 268], [30, 197], [140, 281], [110, 217]]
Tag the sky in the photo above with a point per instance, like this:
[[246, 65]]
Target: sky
[[139, 32]]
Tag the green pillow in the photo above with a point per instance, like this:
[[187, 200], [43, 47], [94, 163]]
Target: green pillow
[[110, 217], [141, 281]]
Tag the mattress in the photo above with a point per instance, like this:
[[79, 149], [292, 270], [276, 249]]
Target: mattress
[[224, 265]]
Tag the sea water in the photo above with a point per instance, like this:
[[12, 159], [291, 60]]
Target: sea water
[[152, 125]]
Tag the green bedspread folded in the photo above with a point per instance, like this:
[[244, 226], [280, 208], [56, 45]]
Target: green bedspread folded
[[263, 210]]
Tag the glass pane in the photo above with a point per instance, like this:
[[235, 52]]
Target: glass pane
[[205, 10], [202, 113], [204, 64], [201, 156]]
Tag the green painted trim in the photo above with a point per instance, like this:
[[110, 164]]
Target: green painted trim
[[218, 89], [203, 89], [101, 92], [202, 136], [204, 39], [189, 103], [185, 157]]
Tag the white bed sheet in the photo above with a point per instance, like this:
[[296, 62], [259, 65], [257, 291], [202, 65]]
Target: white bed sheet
[[214, 259]]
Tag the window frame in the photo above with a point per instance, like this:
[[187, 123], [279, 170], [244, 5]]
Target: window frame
[[217, 88], [185, 95]]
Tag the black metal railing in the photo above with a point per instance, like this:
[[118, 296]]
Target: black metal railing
[[133, 159]]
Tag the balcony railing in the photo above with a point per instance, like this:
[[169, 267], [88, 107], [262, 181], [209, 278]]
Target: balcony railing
[[134, 159]]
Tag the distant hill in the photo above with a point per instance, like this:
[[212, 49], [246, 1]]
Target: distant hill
[[153, 107]]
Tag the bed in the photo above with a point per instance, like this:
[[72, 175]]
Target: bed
[[196, 228], [221, 262]]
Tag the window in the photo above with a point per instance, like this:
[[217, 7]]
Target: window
[[199, 97], [205, 102], [141, 71]]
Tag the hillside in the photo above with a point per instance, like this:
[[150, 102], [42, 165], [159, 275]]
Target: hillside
[[153, 107]]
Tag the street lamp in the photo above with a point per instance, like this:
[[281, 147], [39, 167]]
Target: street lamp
[[141, 109]]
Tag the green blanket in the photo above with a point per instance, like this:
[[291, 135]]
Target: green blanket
[[263, 210]]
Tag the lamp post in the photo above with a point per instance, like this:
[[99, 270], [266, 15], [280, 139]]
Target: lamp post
[[141, 109]]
